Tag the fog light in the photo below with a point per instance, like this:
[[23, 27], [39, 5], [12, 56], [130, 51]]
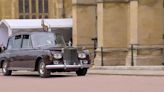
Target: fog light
[[56, 62], [85, 62]]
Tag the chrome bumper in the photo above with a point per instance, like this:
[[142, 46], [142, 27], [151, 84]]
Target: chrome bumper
[[67, 66]]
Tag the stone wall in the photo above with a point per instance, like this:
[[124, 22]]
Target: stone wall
[[84, 22], [68, 8], [8, 9], [112, 31], [125, 22], [150, 32], [150, 22], [52, 8]]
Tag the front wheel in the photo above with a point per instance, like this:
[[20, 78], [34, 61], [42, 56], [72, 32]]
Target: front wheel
[[43, 72], [5, 70], [81, 72]]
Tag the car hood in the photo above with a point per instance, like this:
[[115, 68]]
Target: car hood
[[51, 48], [58, 48]]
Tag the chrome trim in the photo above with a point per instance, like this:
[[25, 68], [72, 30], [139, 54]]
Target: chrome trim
[[66, 66], [81, 63]]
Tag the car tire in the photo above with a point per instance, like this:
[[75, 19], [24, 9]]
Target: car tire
[[5, 70], [43, 72], [81, 72]]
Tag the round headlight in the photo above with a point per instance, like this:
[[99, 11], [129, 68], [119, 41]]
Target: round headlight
[[57, 55], [82, 55]]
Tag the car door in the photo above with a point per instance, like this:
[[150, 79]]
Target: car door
[[27, 53], [14, 46], [8, 52]]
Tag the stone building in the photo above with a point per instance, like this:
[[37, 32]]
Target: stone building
[[116, 23], [32, 9], [119, 23]]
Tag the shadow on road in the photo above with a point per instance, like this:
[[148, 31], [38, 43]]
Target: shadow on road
[[35, 75]]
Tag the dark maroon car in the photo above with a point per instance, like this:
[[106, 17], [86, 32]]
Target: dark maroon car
[[44, 52]]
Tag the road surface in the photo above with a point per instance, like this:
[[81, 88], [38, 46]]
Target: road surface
[[71, 83]]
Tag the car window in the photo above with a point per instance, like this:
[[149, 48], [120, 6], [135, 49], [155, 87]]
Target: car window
[[47, 39], [42, 39], [26, 42], [10, 43], [59, 40], [17, 42]]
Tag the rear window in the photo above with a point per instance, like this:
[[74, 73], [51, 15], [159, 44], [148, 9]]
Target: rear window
[[15, 42], [10, 43], [26, 42]]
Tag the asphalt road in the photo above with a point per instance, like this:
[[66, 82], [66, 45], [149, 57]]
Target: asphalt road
[[71, 83]]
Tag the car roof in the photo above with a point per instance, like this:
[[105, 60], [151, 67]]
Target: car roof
[[22, 33]]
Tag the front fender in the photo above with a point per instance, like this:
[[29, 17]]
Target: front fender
[[46, 56], [1, 61]]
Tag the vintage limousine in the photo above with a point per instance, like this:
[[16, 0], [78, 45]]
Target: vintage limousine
[[44, 52]]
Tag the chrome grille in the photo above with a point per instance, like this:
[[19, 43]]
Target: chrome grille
[[71, 56]]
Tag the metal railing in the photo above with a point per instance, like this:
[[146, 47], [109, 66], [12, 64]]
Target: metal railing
[[150, 47], [103, 50], [131, 49]]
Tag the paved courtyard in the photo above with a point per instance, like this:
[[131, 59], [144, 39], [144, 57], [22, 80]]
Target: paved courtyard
[[30, 82]]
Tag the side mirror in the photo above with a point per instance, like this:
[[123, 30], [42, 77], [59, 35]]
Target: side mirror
[[2, 49], [69, 44]]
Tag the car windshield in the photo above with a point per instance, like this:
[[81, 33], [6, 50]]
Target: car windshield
[[47, 39]]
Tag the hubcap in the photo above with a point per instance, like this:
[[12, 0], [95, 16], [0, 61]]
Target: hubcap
[[4, 67], [42, 68]]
